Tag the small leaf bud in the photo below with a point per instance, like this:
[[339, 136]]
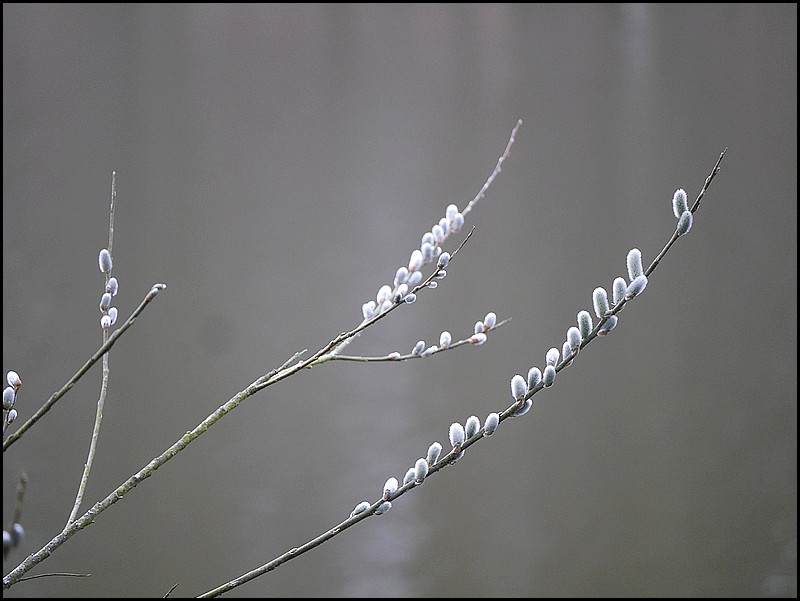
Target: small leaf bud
[[549, 376], [104, 261], [473, 424], [492, 420]]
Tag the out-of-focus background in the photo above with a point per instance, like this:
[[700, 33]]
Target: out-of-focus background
[[276, 164]]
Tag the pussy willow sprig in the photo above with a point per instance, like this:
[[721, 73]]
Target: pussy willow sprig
[[461, 437], [403, 294]]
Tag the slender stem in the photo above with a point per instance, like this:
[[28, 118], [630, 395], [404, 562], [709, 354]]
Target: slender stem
[[449, 459], [106, 346]]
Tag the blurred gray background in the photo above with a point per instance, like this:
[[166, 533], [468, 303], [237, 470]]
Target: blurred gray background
[[277, 163]]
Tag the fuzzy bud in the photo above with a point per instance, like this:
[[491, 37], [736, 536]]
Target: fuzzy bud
[[490, 320], [600, 301], [679, 202], [105, 302], [414, 279], [456, 434], [384, 294], [410, 298], [8, 398], [438, 233], [360, 508], [619, 289], [13, 380], [105, 322], [574, 338], [401, 277], [551, 357], [636, 287], [112, 286], [585, 323], [418, 348], [444, 260], [383, 508], [433, 453], [519, 388], [478, 338], [415, 262], [420, 469], [393, 356], [444, 339], [450, 212], [534, 377], [112, 313], [457, 222], [526, 406], [104, 260], [549, 376], [410, 476], [634, 262], [685, 223], [609, 325], [429, 351], [479, 327], [390, 488], [492, 420], [472, 426]]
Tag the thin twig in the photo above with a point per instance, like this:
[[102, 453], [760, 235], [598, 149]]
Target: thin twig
[[498, 168], [259, 384], [406, 357], [86, 366], [445, 461], [101, 401]]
